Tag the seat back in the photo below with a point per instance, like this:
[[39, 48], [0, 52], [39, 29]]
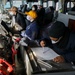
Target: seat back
[[71, 25]]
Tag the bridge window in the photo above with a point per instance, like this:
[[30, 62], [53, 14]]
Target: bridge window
[[68, 4], [7, 6], [17, 3]]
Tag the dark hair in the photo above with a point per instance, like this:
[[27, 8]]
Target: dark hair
[[15, 8], [35, 6], [52, 8], [57, 29]]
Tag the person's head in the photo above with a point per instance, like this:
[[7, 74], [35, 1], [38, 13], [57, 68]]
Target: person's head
[[13, 10], [40, 6], [34, 7], [52, 8], [57, 31], [31, 15]]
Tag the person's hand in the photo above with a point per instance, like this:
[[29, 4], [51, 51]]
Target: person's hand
[[59, 59], [42, 43]]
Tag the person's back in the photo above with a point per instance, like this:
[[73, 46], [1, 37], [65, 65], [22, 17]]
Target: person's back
[[40, 18], [20, 19], [24, 9], [48, 18]]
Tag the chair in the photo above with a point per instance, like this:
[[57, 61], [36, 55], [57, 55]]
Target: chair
[[71, 25]]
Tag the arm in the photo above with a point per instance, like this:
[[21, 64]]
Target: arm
[[46, 42], [34, 31], [69, 57], [34, 35]]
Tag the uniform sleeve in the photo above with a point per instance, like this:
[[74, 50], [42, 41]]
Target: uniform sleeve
[[48, 42], [70, 53], [34, 35], [34, 31], [69, 57]]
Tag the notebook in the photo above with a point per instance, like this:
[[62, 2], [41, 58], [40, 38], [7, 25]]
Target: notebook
[[44, 53]]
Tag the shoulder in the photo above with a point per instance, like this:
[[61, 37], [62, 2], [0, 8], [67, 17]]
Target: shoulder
[[72, 35], [20, 15], [72, 38], [71, 41], [33, 24]]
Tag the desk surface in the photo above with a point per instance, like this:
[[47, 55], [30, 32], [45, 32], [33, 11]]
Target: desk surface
[[56, 68], [50, 66]]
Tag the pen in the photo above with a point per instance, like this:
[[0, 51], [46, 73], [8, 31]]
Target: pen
[[45, 51], [43, 48]]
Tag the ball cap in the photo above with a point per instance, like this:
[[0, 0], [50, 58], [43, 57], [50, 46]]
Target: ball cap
[[31, 13]]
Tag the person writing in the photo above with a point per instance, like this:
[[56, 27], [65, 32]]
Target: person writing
[[63, 42]]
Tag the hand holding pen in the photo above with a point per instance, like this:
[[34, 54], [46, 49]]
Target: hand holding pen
[[42, 43]]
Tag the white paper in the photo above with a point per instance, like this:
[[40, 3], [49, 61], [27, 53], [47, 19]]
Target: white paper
[[44, 53]]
